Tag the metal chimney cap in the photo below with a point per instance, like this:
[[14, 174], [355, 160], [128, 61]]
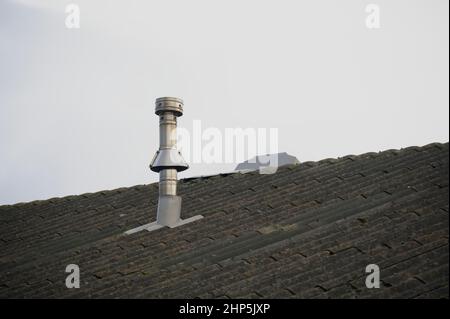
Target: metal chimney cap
[[168, 159], [169, 104]]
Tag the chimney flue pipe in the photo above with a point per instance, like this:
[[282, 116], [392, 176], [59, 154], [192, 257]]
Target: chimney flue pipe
[[167, 162]]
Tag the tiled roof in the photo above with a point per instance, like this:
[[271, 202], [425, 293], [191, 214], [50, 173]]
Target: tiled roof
[[307, 231]]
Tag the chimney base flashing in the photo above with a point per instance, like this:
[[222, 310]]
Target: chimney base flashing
[[155, 226], [182, 222], [147, 227]]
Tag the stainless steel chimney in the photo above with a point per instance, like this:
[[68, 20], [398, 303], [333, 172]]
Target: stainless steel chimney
[[168, 162]]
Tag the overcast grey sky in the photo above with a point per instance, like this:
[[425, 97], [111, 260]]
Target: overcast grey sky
[[77, 105]]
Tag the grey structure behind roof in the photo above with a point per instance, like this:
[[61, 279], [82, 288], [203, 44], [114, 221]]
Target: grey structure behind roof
[[262, 161], [307, 231]]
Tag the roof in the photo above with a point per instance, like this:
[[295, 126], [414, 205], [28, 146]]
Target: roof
[[307, 231]]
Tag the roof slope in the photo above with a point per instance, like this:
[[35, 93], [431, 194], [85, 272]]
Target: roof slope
[[307, 231]]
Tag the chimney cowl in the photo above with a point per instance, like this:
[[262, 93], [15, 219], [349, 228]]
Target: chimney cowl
[[168, 157], [169, 104]]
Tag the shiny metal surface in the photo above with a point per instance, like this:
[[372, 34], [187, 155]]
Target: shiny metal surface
[[168, 161], [168, 157], [169, 104], [168, 182]]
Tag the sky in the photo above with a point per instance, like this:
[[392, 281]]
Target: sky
[[77, 105]]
